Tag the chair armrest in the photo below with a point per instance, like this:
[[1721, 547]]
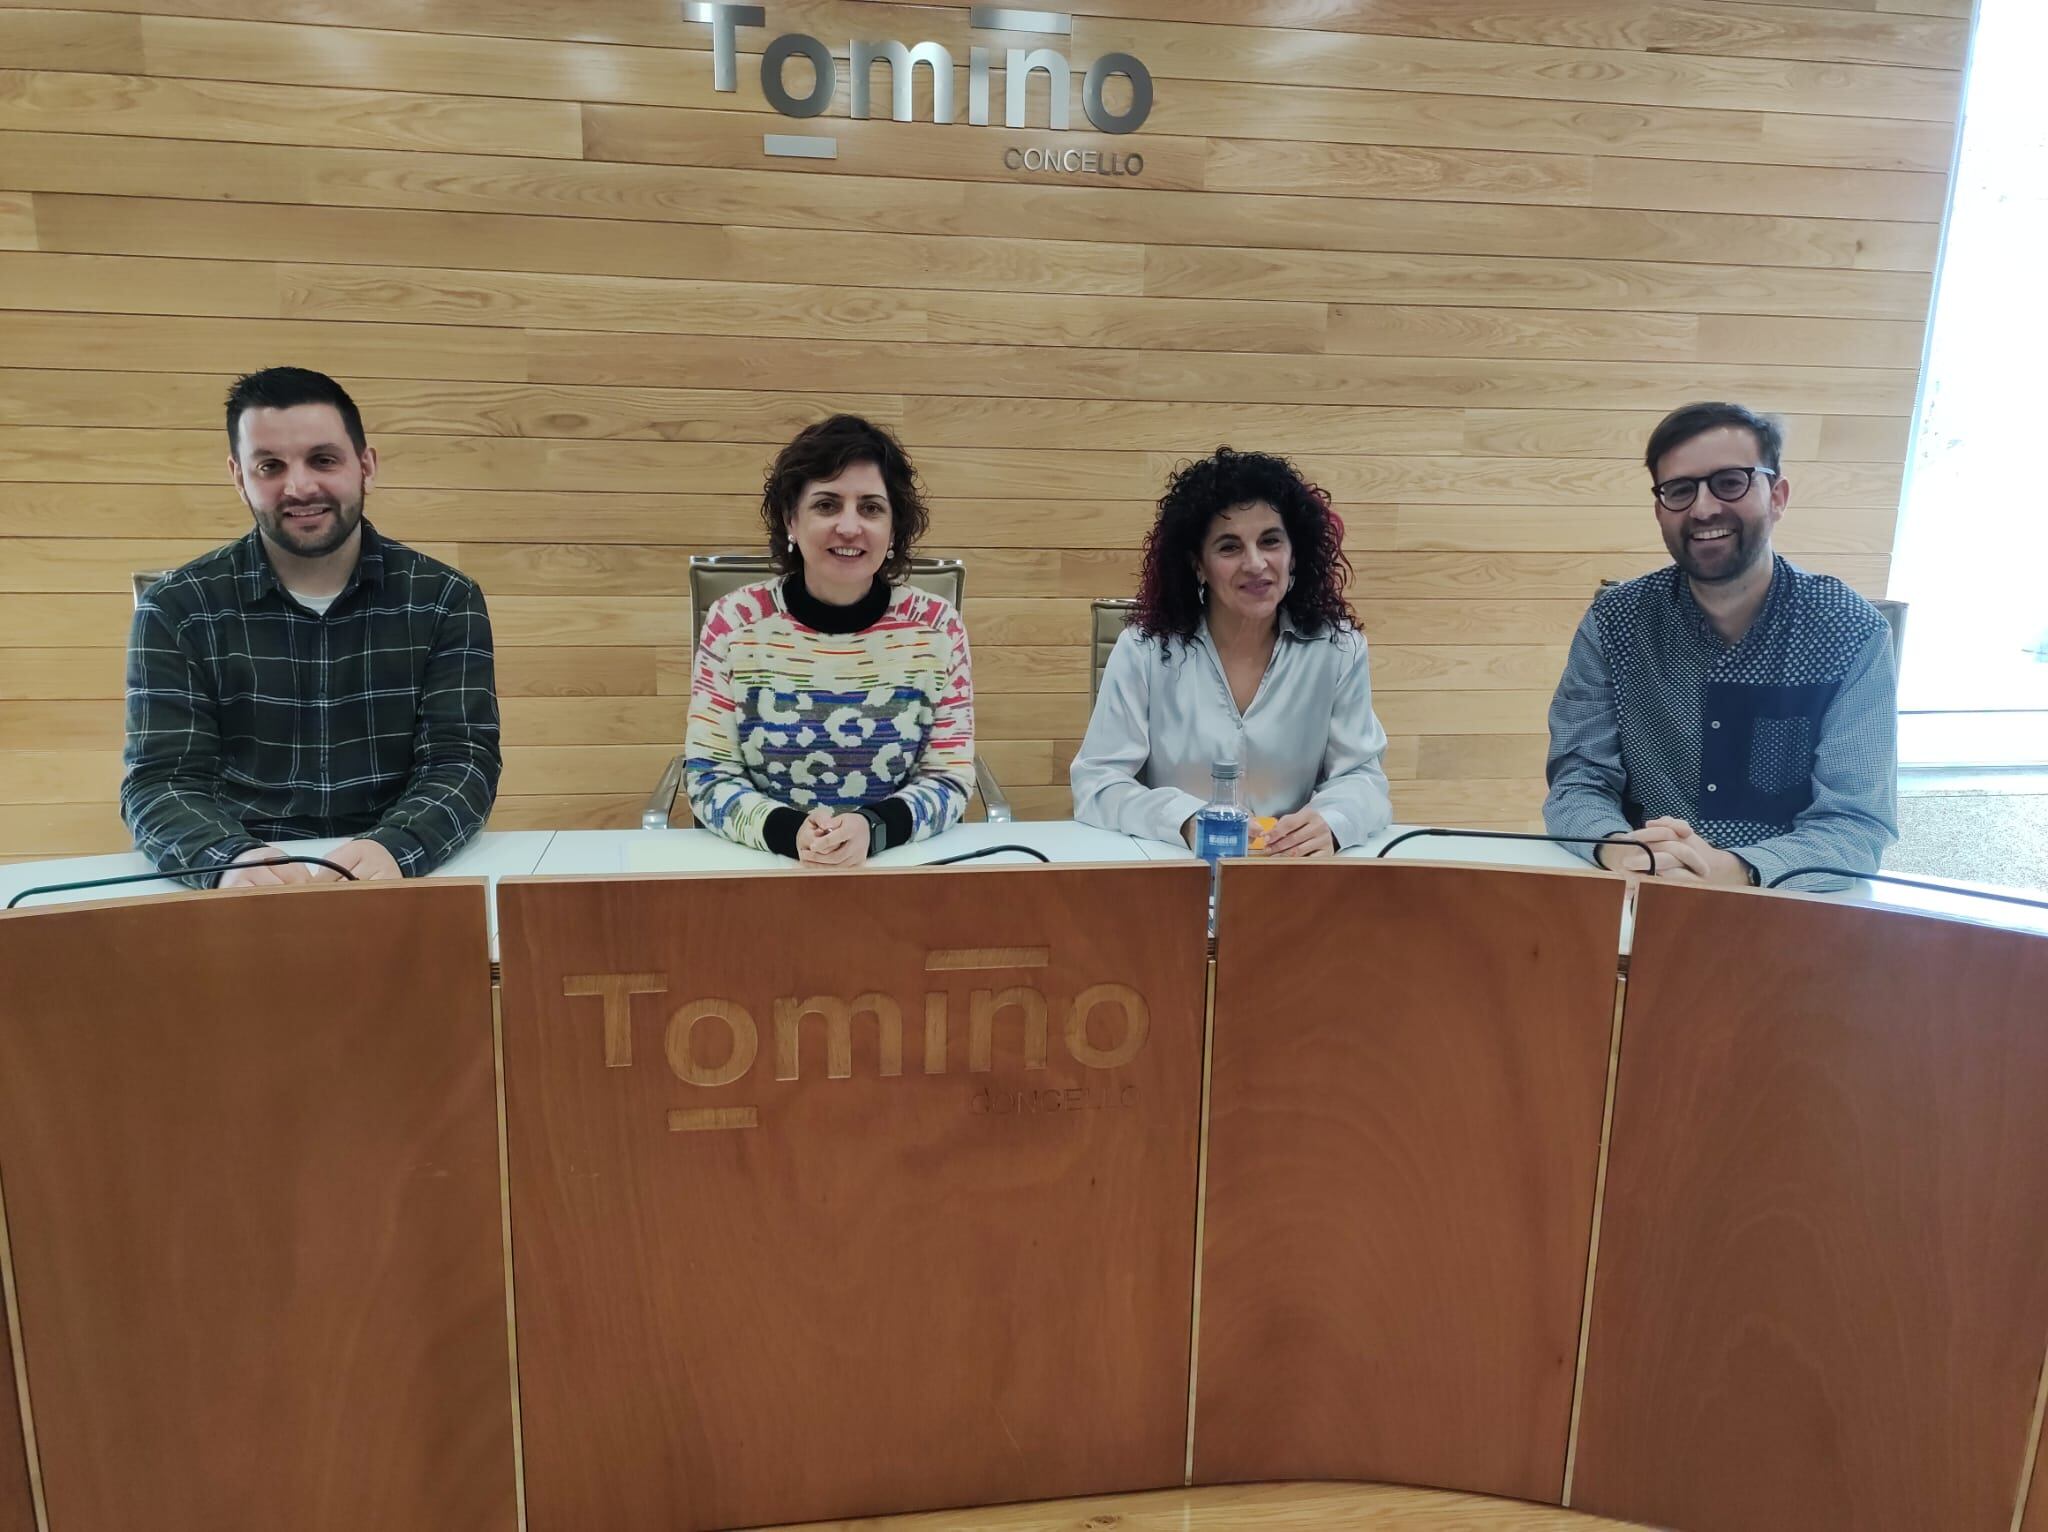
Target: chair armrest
[[992, 799], [661, 802]]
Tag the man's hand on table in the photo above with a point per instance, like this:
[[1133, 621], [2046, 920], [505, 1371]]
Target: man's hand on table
[[367, 859], [241, 873], [1682, 855]]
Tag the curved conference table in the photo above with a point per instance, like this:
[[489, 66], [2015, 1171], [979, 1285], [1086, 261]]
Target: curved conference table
[[630, 1179]]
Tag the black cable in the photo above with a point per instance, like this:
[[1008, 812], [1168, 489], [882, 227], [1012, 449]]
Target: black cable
[[969, 856], [174, 872], [1884, 877], [1558, 840]]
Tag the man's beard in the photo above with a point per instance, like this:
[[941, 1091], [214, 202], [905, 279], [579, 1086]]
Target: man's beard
[[1750, 547], [347, 515]]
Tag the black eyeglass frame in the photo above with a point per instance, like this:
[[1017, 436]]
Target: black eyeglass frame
[[1749, 476]]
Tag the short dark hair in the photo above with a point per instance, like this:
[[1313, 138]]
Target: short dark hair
[[1690, 420], [284, 388], [1169, 602], [826, 450]]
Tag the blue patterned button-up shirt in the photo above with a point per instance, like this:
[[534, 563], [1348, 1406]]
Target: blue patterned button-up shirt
[[1782, 747]]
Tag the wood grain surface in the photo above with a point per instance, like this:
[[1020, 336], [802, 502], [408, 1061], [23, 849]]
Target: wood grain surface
[[1408, 1074], [252, 1184], [1457, 258], [17, 1509], [2037, 1500], [1823, 1276], [771, 1263], [1251, 1508]]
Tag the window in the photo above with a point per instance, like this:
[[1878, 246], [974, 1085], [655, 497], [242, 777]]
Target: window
[[1972, 553]]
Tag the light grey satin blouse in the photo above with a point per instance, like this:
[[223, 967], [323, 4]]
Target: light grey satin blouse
[[1165, 715]]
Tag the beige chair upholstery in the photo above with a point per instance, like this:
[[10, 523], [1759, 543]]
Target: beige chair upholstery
[[1107, 621], [714, 575], [142, 579]]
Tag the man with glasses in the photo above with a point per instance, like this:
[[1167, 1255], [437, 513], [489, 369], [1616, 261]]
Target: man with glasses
[[1734, 716]]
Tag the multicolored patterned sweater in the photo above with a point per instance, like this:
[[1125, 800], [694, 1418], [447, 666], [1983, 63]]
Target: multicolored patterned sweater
[[788, 715]]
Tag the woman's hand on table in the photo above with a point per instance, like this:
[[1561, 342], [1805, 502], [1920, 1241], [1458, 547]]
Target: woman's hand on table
[[826, 839], [1303, 833]]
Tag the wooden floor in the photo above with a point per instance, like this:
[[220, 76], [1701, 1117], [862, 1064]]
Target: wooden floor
[[1279, 1507]]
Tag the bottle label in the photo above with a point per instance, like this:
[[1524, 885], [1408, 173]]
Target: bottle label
[[1221, 835]]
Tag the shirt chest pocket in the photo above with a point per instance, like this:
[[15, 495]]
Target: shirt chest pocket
[[1757, 750]]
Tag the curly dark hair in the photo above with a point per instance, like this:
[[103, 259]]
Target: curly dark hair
[[1169, 597], [826, 450]]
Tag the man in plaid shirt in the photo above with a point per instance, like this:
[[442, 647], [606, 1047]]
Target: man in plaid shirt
[[313, 679]]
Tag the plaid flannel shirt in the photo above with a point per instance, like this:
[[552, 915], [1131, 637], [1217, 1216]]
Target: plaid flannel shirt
[[253, 719]]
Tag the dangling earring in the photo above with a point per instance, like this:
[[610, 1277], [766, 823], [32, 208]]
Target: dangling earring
[[1201, 590]]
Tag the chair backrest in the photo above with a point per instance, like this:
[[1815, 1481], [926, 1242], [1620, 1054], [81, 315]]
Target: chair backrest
[[143, 579], [1894, 613], [1108, 619], [720, 574]]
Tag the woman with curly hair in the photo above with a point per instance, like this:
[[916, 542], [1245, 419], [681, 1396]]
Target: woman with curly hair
[[1242, 648], [832, 709]]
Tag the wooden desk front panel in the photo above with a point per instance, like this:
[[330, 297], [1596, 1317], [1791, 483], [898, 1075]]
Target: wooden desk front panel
[[915, 1284], [1823, 1277], [250, 1150], [17, 1508], [1409, 1068]]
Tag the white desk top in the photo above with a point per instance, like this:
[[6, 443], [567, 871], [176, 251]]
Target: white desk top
[[492, 855], [1466, 848], [593, 852], [1956, 906], [1430, 848], [583, 853]]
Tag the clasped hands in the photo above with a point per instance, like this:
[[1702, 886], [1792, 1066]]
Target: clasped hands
[[1677, 852], [826, 839]]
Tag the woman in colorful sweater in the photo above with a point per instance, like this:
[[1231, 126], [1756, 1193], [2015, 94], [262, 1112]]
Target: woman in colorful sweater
[[832, 710]]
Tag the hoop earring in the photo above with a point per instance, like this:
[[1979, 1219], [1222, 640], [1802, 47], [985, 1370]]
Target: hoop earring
[[1202, 592]]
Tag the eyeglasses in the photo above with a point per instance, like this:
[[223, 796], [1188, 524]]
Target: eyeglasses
[[1728, 485]]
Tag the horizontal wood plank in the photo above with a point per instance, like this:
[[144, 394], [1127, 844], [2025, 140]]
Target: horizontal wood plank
[[238, 110]]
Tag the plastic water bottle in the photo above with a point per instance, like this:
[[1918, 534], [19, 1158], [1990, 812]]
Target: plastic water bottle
[[1223, 827]]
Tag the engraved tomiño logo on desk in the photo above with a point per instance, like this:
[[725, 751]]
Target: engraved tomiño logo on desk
[[711, 1042]]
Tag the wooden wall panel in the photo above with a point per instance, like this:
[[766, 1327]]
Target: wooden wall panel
[[256, 1223], [1401, 1177], [1455, 256], [1823, 1274]]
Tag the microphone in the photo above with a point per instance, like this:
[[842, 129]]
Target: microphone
[[1556, 840], [1885, 877]]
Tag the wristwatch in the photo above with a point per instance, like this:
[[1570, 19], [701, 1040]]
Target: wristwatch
[[1756, 879], [878, 832]]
